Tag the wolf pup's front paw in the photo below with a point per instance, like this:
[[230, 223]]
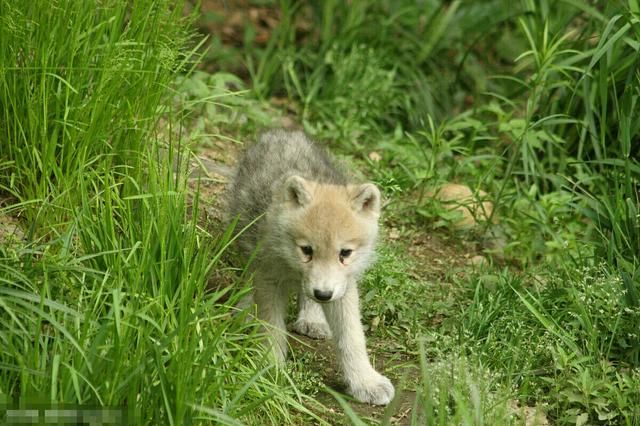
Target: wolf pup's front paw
[[375, 389], [315, 330]]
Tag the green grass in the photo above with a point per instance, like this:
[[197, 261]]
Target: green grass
[[563, 341], [107, 301], [106, 293]]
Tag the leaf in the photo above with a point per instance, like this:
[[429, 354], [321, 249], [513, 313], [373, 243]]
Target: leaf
[[582, 419]]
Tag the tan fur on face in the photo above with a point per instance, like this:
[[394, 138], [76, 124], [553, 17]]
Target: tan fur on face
[[330, 224], [325, 219]]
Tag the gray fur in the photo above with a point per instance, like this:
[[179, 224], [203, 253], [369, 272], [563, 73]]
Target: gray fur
[[263, 168]]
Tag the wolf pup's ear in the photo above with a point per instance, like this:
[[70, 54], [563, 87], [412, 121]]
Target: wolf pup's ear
[[366, 199], [296, 191]]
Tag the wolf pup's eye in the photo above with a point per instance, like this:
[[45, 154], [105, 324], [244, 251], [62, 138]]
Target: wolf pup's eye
[[344, 253], [307, 251]]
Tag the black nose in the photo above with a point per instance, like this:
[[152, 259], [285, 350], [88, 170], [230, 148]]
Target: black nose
[[322, 296]]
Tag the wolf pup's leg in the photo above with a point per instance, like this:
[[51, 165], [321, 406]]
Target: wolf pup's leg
[[311, 320], [363, 381], [271, 300]]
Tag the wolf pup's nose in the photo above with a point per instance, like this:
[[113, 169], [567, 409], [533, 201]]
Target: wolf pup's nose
[[322, 296]]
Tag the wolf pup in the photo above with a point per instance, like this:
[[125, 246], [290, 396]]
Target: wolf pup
[[315, 234]]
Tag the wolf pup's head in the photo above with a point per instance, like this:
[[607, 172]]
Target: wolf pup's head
[[327, 233]]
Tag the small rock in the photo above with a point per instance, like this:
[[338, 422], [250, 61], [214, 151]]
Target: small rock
[[394, 234], [473, 205], [374, 156], [477, 260]]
